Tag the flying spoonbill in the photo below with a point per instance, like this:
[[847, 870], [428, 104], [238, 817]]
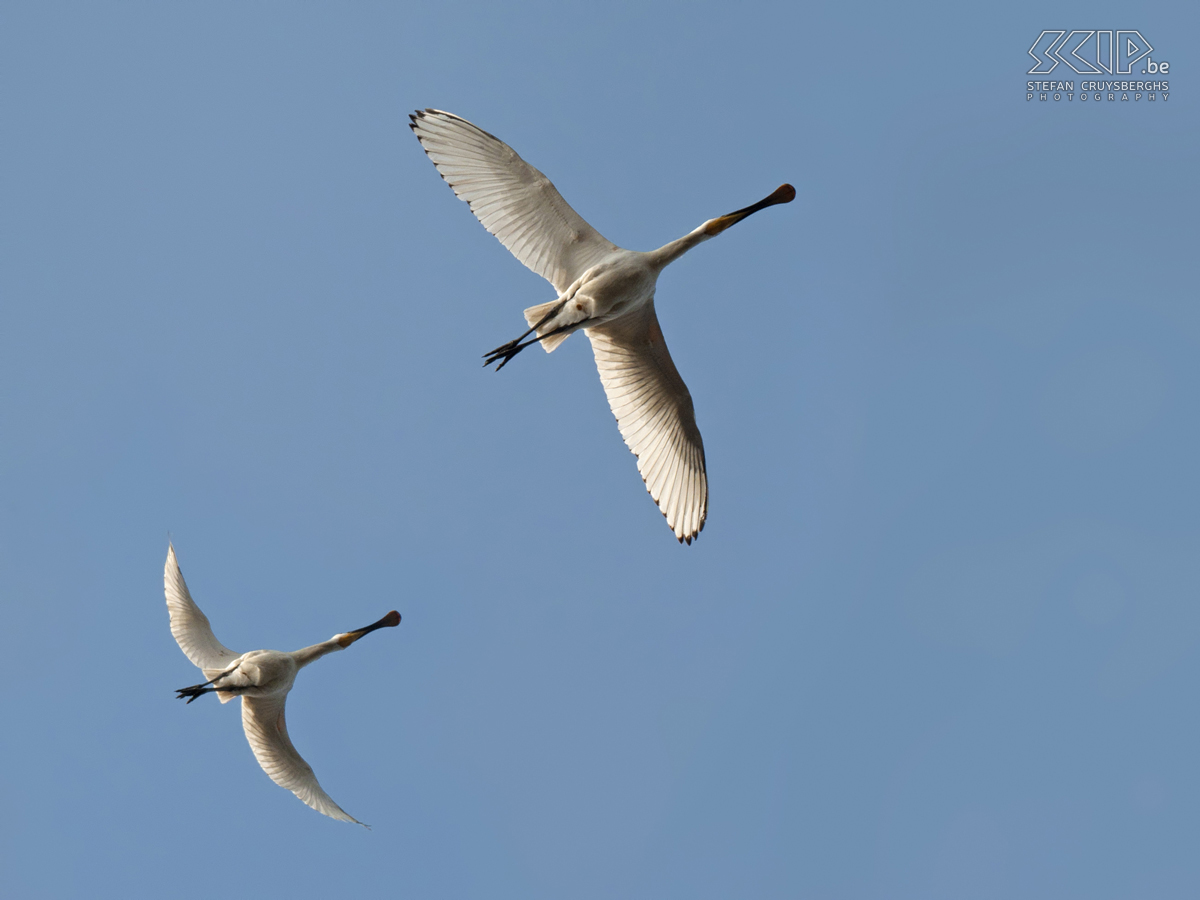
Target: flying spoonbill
[[603, 289], [262, 678]]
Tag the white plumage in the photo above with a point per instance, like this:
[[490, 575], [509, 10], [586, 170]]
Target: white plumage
[[603, 289], [262, 678]]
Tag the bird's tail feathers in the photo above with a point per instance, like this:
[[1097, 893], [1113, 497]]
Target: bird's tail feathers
[[214, 674], [551, 342], [535, 314]]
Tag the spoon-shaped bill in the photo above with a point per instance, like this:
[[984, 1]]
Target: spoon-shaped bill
[[785, 193], [391, 620]]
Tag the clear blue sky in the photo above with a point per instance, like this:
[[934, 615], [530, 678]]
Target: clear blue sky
[[941, 636]]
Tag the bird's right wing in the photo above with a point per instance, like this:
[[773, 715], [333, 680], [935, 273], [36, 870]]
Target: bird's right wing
[[266, 730], [654, 412], [512, 199], [190, 626]]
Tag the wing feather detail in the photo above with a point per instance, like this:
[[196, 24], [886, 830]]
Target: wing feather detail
[[266, 730], [655, 415], [190, 626], [512, 199]]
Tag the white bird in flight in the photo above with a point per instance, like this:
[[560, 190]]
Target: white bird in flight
[[262, 678], [603, 289]]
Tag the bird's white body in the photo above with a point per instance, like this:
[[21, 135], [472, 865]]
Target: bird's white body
[[262, 678], [261, 673], [602, 288], [622, 282]]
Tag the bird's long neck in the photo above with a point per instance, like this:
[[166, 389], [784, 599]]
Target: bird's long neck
[[668, 253], [315, 652], [342, 641]]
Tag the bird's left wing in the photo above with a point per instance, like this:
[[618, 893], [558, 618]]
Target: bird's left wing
[[512, 199], [190, 626], [654, 412], [266, 730]]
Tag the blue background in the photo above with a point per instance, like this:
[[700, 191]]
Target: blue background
[[941, 636]]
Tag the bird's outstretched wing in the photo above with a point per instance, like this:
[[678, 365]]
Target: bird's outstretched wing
[[654, 412], [190, 626], [512, 199], [266, 730]]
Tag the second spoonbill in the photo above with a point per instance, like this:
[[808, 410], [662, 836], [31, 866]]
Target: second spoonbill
[[262, 678]]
